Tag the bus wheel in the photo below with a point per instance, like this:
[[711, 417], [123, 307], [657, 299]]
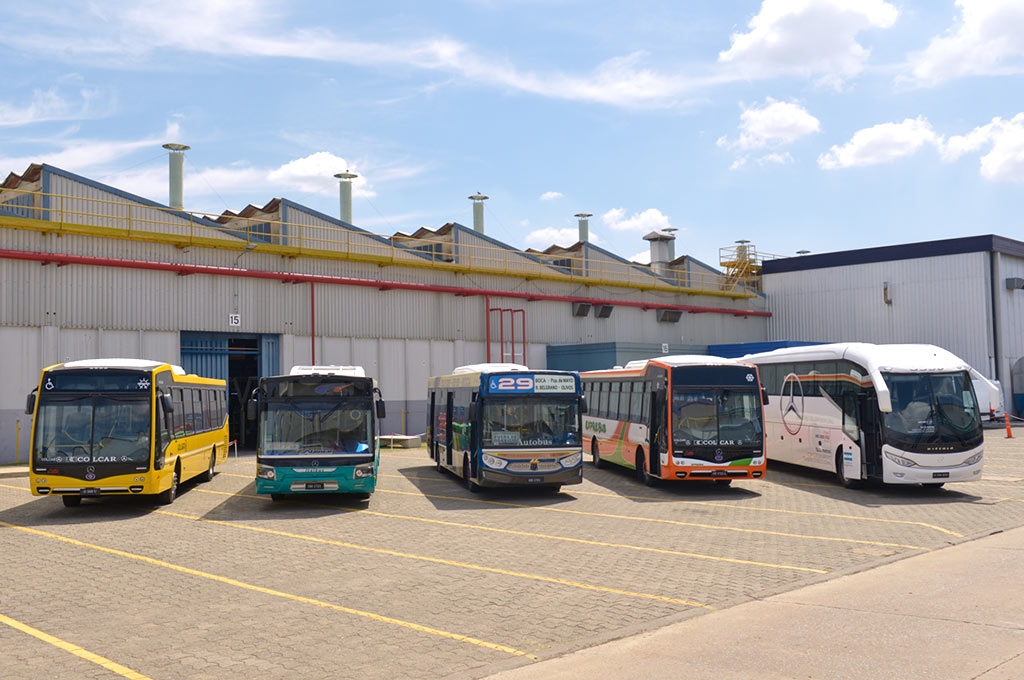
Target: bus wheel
[[208, 475], [927, 485], [555, 488], [595, 454], [641, 470], [467, 475], [277, 497], [71, 501], [841, 473], [723, 482], [167, 497], [437, 458]]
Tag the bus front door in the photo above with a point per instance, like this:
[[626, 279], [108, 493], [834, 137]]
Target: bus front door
[[871, 428], [449, 412], [657, 433]]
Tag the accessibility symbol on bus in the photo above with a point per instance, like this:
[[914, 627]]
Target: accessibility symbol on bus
[[791, 406], [49, 384]]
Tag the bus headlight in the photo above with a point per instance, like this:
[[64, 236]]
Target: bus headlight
[[494, 462], [361, 472], [266, 473], [900, 460], [976, 458], [572, 460]]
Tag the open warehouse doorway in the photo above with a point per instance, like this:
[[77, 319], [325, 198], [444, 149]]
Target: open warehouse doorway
[[239, 358]]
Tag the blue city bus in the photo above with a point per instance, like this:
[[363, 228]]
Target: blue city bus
[[317, 431], [499, 425]]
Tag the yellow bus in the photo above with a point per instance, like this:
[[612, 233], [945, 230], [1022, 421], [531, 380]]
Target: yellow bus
[[105, 427]]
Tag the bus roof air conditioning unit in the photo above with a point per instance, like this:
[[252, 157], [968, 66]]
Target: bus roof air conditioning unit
[[668, 315], [602, 311]]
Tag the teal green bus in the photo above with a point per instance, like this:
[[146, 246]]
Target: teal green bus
[[317, 432]]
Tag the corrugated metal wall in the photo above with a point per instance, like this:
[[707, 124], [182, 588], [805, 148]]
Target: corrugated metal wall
[[937, 300], [945, 301]]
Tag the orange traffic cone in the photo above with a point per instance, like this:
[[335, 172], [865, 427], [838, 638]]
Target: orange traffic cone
[[1006, 418]]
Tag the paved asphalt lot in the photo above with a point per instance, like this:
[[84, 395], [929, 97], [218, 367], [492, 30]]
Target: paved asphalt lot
[[428, 580]]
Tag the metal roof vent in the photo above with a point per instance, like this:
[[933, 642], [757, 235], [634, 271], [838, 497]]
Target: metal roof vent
[[345, 194], [478, 211], [584, 223], [176, 162]]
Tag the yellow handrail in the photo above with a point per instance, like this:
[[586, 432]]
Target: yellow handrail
[[186, 228]]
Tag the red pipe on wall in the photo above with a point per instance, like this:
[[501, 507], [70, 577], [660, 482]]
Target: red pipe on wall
[[312, 323], [186, 269]]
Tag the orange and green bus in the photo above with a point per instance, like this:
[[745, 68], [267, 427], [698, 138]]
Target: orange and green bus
[[116, 427], [689, 417]]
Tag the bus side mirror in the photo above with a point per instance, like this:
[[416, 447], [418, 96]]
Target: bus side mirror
[[30, 403], [382, 411], [583, 405], [250, 409], [166, 403], [764, 396]]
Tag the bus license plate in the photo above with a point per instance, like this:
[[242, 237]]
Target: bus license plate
[[719, 473], [534, 480], [91, 492], [311, 486], [940, 475]]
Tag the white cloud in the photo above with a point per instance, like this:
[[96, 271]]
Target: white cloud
[[314, 174], [772, 125], [811, 38], [551, 195], [881, 144], [50, 105], [643, 257], [1005, 160], [128, 36], [83, 155], [774, 158], [550, 236], [985, 40], [648, 220]]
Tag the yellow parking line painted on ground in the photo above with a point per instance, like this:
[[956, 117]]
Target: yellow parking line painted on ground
[[577, 492], [275, 593], [437, 560], [668, 500], [111, 666], [657, 520], [549, 537]]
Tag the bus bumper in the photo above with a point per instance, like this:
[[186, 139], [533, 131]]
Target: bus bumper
[[490, 477], [341, 480], [931, 468]]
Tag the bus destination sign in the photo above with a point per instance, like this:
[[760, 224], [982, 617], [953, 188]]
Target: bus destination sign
[[530, 384]]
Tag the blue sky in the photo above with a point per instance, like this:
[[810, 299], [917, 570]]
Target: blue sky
[[796, 124]]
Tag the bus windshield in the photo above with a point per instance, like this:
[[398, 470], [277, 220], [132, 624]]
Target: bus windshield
[[530, 421], [931, 408], [706, 416], [315, 427], [93, 429]]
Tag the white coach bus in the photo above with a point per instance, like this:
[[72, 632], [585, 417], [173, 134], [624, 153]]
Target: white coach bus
[[900, 414]]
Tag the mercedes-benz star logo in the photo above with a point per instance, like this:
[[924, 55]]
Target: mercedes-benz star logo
[[790, 405]]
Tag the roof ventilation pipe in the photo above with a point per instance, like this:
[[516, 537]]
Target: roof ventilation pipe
[[584, 222], [345, 195], [662, 248], [478, 211], [176, 165]]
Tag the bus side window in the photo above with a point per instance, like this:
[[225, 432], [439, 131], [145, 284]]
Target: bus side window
[[636, 411], [178, 415], [187, 413]]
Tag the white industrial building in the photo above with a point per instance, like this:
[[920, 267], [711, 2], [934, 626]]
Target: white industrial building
[[89, 271], [963, 294]]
